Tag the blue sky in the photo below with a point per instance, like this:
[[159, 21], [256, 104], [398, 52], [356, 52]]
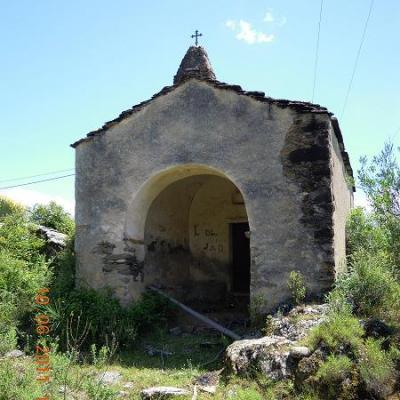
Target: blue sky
[[67, 67]]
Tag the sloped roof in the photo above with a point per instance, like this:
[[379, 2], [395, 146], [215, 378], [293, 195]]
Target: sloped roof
[[195, 65]]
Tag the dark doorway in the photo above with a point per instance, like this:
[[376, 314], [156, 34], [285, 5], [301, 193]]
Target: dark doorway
[[240, 257]]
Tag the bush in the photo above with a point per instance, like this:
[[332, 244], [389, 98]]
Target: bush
[[19, 281], [376, 369], [248, 394], [52, 216], [297, 287], [380, 180], [98, 317], [335, 378], [335, 369], [371, 288], [63, 269], [341, 332], [10, 207], [8, 334], [364, 233], [18, 238], [18, 382]]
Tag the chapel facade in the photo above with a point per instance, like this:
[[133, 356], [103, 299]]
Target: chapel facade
[[212, 193]]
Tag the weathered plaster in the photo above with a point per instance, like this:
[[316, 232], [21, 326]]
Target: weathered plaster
[[276, 156]]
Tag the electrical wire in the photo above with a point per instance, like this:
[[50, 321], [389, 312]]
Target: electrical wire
[[34, 182], [317, 52], [357, 59], [35, 176]]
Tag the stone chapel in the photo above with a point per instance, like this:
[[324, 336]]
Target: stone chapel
[[212, 193]]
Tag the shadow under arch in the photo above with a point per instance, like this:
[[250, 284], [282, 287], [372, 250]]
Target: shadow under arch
[[189, 227]]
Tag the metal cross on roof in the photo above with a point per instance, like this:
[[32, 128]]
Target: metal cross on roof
[[196, 36]]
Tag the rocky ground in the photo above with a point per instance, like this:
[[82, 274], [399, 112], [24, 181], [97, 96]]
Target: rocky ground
[[279, 352]]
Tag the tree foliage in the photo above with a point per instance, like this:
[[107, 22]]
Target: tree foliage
[[10, 207], [52, 216], [380, 180]]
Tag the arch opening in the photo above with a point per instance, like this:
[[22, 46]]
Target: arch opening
[[195, 239]]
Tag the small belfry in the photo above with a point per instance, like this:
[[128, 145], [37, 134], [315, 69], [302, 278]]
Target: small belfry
[[213, 194], [195, 64]]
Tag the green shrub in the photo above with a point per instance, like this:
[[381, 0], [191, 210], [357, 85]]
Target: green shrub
[[99, 318], [335, 369], [8, 334], [269, 326], [63, 269], [52, 216], [248, 394], [297, 287], [10, 207], [335, 379], [340, 332], [18, 381], [380, 181], [377, 369], [371, 288], [364, 233], [18, 238], [20, 281], [99, 392]]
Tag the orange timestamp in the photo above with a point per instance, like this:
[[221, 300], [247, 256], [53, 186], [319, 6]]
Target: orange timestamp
[[42, 329]]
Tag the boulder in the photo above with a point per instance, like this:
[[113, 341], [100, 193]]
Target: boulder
[[208, 382], [163, 392], [277, 355], [296, 354], [268, 355], [55, 241], [308, 366], [299, 352], [109, 377], [14, 354]]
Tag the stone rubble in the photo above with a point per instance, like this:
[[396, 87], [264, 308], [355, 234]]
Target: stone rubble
[[163, 392], [276, 355]]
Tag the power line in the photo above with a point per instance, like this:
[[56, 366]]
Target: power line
[[357, 59], [39, 181], [317, 51], [35, 176]]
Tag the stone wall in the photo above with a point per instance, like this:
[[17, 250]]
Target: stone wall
[[277, 156]]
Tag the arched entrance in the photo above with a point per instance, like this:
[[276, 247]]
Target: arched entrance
[[192, 225]]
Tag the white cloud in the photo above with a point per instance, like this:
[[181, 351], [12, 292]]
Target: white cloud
[[231, 24], [247, 33], [269, 17], [30, 197]]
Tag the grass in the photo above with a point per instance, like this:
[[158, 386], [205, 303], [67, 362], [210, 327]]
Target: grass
[[193, 356], [188, 351], [190, 359]]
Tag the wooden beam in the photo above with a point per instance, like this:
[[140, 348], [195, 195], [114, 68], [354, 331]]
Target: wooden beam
[[197, 315]]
